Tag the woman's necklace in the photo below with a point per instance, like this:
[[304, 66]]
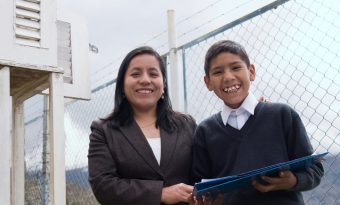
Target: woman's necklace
[[149, 130], [147, 125]]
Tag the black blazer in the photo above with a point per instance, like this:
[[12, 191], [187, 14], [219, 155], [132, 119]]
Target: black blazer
[[123, 169]]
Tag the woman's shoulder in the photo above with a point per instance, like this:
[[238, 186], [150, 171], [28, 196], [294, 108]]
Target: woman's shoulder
[[100, 124], [185, 118], [184, 121]]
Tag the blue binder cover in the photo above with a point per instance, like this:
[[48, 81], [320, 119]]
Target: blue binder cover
[[240, 181]]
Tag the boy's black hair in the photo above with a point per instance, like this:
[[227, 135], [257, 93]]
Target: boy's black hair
[[228, 47]]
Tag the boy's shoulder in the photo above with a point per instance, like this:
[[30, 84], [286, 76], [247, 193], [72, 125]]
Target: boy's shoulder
[[275, 108], [211, 120]]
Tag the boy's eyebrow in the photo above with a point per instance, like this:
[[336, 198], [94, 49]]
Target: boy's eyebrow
[[230, 64], [216, 67], [236, 62]]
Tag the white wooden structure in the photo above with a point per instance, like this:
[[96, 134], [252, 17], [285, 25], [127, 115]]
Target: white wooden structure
[[73, 55], [36, 49]]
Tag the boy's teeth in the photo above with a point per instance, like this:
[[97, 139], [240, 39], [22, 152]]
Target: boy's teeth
[[232, 88]]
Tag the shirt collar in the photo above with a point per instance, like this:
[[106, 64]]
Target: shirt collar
[[248, 105]]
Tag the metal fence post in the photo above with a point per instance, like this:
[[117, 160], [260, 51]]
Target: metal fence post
[[173, 58], [45, 196]]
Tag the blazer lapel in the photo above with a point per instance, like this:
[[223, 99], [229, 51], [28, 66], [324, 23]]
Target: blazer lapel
[[168, 144], [136, 138]]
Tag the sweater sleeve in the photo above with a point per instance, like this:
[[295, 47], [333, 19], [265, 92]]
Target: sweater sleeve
[[300, 146], [108, 187], [201, 162]]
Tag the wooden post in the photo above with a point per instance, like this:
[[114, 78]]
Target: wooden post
[[57, 142], [18, 154], [5, 137]]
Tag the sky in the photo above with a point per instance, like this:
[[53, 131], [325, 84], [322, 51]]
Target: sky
[[118, 26]]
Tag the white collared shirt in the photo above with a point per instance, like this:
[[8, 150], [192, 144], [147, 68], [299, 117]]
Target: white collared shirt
[[243, 113]]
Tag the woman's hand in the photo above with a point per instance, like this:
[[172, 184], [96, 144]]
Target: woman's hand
[[285, 181], [176, 193], [205, 200]]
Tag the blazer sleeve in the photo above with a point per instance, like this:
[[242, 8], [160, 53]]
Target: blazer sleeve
[[300, 146], [108, 187]]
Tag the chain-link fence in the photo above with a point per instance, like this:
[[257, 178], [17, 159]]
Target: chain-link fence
[[295, 47]]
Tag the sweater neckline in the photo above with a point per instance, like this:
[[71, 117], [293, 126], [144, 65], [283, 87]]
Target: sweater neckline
[[246, 127]]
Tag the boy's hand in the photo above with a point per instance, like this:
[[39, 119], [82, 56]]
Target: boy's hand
[[263, 99], [205, 200], [285, 181]]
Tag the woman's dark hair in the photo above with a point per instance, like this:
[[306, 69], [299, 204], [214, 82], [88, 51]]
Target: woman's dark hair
[[122, 113], [221, 47]]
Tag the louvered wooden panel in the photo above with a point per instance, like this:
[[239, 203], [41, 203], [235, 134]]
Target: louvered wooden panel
[[65, 49], [29, 6], [26, 14], [27, 34], [64, 54], [27, 22], [27, 42], [34, 1]]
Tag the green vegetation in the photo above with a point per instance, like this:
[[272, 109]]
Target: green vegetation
[[75, 194]]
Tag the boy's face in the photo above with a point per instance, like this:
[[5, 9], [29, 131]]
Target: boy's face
[[229, 78]]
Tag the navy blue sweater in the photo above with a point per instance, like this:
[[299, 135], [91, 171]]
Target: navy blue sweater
[[275, 133]]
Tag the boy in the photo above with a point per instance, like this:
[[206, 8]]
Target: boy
[[248, 134]]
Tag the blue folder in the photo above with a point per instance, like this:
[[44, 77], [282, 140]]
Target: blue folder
[[242, 181]]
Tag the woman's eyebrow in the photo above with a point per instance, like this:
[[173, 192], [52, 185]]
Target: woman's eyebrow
[[135, 68], [154, 69]]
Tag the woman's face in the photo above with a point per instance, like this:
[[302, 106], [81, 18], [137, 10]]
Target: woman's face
[[143, 82]]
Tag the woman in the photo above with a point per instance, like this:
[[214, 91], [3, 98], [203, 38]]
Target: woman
[[141, 152]]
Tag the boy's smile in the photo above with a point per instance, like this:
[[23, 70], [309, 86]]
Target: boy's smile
[[232, 89], [230, 78]]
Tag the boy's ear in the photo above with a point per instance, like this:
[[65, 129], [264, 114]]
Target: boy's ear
[[252, 72], [207, 82]]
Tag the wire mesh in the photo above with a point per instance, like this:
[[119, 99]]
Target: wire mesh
[[295, 48], [78, 118]]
